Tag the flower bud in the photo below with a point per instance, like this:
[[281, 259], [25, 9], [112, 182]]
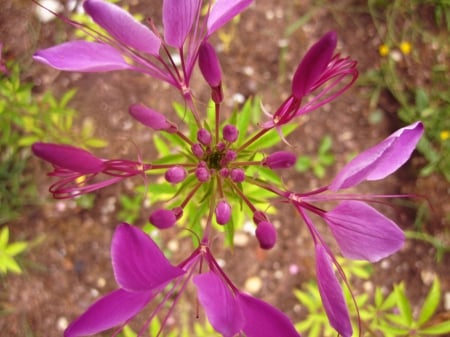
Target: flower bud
[[280, 159], [230, 133], [209, 64], [224, 172], [163, 218], [266, 235], [223, 212], [197, 150], [237, 175], [202, 174], [150, 118], [204, 137], [175, 174], [68, 157], [230, 155], [313, 65]]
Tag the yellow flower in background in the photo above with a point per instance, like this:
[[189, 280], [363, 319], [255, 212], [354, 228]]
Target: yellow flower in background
[[405, 47], [445, 135], [383, 50]]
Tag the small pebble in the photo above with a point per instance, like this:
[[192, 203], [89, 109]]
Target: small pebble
[[62, 323], [253, 284]]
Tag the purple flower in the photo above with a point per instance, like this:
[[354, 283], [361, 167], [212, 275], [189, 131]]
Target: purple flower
[[164, 218], [142, 272], [77, 168], [132, 45], [361, 232], [320, 72]]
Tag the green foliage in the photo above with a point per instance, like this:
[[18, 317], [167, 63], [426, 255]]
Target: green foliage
[[24, 119], [320, 162], [8, 252], [407, 41], [382, 314]]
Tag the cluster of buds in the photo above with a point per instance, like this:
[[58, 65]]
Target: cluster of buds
[[218, 171]]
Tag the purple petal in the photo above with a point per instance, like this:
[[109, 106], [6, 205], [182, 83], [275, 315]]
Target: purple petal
[[111, 310], [68, 157], [123, 26], [380, 160], [82, 56], [138, 263], [262, 320], [178, 18], [220, 305], [150, 117], [362, 232], [313, 64], [224, 11], [331, 294]]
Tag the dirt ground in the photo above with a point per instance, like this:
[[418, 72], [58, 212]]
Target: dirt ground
[[71, 267]]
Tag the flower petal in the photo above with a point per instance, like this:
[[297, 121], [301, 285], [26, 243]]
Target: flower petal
[[331, 294], [138, 263], [380, 160], [123, 26], [362, 232], [82, 56], [178, 18], [111, 310], [262, 320], [313, 64], [220, 305], [224, 11], [68, 157]]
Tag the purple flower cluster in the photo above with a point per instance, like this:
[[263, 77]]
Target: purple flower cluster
[[215, 171]]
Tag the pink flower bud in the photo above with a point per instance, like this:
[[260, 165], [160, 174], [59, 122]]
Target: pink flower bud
[[175, 174], [230, 133], [209, 64], [266, 235], [150, 118], [230, 155], [220, 146], [237, 175], [280, 159], [68, 157], [224, 172], [202, 174], [197, 150], [313, 65], [204, 137], [223, 212], [163, 218]]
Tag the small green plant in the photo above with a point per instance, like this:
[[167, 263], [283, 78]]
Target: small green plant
[[8, 252], [24, 119], [319, 162], [407, 42]]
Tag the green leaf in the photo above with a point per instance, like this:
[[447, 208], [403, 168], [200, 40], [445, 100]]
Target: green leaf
[[403, 304], [438, 329], [4, 237], [16, 248], [303, 163], [325, 144], [431, 303]]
